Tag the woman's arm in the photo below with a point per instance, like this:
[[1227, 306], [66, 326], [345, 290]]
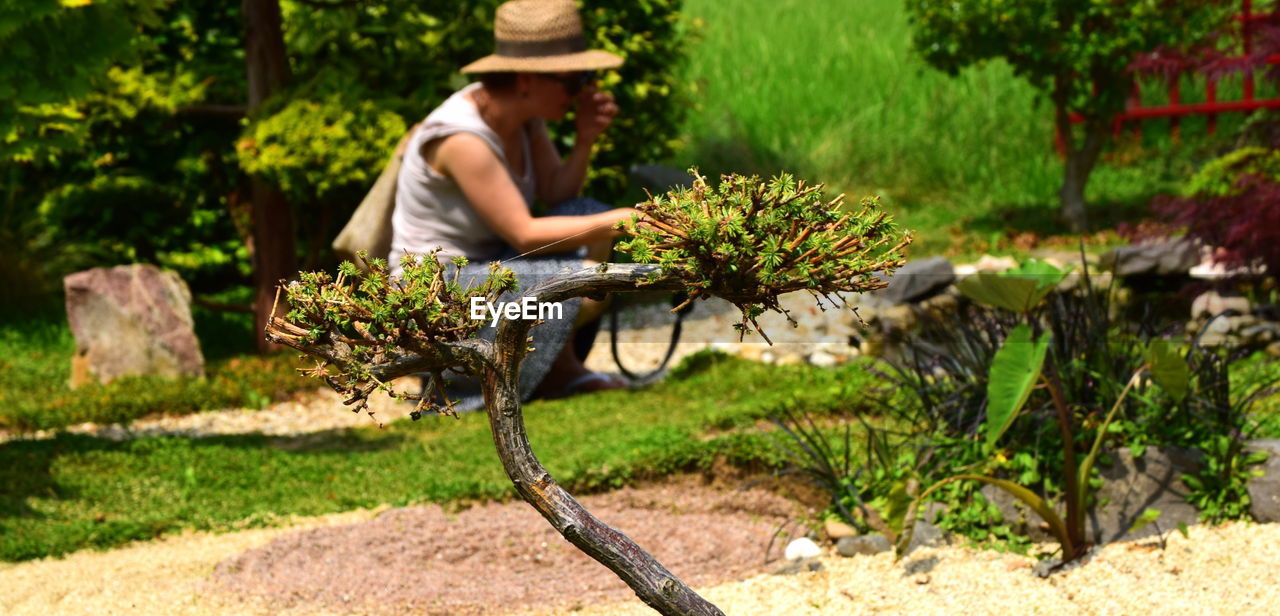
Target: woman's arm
[[487, 185], [560, 180]]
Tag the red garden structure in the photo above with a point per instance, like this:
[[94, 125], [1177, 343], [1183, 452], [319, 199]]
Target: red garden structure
[[1247, 27]]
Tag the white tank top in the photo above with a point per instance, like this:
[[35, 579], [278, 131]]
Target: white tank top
[[430, 208]]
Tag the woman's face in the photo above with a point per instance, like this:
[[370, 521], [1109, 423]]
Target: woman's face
[[555, 93]]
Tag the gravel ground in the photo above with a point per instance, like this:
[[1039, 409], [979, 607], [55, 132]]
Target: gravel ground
[[1230, 569], [419, 560], [490, 558], [307, 412], [1224, 570], [163, 577]]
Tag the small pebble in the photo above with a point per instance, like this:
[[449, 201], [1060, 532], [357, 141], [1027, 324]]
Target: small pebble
[[803, 547], [837, 530]]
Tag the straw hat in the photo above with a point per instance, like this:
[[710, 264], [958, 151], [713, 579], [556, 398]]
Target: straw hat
[[540, 36]]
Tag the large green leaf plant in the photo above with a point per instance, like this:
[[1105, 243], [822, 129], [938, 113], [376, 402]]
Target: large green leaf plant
[[1022, 364]]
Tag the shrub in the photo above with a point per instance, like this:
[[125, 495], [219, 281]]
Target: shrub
[[1218, 419], [317, 151], [1076, 53], [1220, 176], [1233, 205], [653, 100], [156, 136]]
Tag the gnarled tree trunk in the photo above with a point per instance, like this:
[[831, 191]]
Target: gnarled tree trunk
[[656, 586]]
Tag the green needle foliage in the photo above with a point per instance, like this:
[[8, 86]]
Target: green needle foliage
[[361, 319], [749, 241]]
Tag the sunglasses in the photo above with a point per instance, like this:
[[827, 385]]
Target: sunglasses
[[573, 82]]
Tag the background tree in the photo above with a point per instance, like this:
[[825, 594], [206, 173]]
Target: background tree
[[745, 241], [53, 49], [52, 53], [1075, 51]]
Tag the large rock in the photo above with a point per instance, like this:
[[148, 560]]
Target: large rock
[[1163, 258], [1264, 491], [918, 280], [130, 320], [1132, 485]]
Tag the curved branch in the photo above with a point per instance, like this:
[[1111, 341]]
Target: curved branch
[[474, 353], [604, 278], [652, 582]]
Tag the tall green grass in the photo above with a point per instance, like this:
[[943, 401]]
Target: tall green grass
[[831, 90]]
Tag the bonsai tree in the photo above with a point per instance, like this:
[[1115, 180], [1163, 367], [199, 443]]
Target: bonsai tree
[[1077, 52], [746, 241]]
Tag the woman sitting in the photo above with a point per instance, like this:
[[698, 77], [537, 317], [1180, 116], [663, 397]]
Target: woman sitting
[[474, 167]]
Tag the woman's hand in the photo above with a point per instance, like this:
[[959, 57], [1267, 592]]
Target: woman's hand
[[595, 112]]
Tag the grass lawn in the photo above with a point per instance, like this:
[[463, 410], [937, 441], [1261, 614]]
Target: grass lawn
[[35, 366], [72, 492], [831, 91]]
